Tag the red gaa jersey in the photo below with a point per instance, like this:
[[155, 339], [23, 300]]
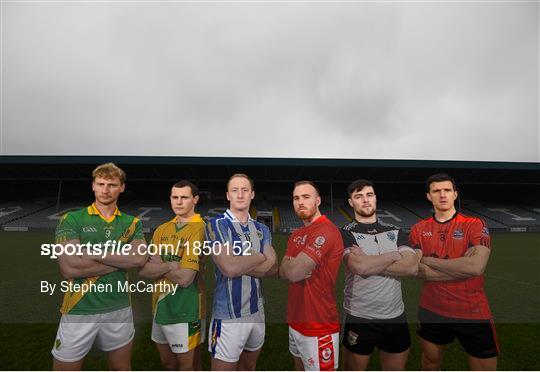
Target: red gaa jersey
[[311, 308], [460, 298]]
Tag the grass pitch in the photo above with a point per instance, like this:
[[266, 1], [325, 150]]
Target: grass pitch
[[29, 318]]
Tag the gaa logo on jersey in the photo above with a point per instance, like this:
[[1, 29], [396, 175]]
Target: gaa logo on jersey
[[326, 354], [319, 241], [427, 234], [88, 229], [458, 234], [391, 236]]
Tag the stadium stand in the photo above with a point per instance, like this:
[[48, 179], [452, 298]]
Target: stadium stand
[[400, 184], [42, 219], [510, 216], [11, 213], [289, 220], [336, 216], [420, 209], [42, 215]]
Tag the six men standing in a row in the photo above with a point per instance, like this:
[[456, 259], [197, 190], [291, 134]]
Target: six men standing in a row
[[448, 250]]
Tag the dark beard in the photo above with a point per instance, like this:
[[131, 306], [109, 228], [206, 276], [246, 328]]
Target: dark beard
[[361, 213]]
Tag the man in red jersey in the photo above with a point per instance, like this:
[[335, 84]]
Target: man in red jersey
[[311, 266], [453, 303]]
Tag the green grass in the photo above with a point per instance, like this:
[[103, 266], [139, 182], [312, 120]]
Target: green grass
[[29, 319]]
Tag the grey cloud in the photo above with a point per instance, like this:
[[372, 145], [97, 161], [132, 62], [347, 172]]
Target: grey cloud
[[349, 80]]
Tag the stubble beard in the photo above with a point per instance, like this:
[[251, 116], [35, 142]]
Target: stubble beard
[[366, 215]]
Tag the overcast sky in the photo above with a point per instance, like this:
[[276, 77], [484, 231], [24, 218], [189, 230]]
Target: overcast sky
[[401, 80]]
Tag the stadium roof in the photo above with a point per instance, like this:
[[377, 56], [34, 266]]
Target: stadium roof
[[267, 169]]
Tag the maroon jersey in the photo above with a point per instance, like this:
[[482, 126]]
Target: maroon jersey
[[311, 307], [460, 298]]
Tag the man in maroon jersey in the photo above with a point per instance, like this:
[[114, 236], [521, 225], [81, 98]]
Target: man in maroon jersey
[[311, 265], [453, 303]]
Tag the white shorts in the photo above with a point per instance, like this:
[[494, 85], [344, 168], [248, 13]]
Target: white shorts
[[229, 337], [77, 333], [318, 353], [181, 337]]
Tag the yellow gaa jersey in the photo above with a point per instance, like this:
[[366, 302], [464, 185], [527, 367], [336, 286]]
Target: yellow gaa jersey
[[180, 242]]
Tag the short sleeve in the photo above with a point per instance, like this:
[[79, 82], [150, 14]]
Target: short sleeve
[[479, 234], [133, 232], [402, 239], [138, 234], [67, 229], [156, 236], [414, 240], [216, 232], [348, 238], [267, 237], [289, 251], [319, 244]]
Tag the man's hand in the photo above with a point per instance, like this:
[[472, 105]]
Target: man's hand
[[155, 258], [422, 270]]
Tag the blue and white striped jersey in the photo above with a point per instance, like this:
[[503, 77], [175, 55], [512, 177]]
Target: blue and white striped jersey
[[241, 296]]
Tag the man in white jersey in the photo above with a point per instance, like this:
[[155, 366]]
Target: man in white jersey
[[376, 255], [243, 255]]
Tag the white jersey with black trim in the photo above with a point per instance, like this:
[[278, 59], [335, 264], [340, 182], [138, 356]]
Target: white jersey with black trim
[[374, 296]]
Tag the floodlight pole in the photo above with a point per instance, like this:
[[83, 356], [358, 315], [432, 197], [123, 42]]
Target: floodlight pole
[[332, 199], [58, 196]]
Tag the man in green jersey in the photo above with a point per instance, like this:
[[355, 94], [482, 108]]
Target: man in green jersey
[[103, 316], [178, 326]]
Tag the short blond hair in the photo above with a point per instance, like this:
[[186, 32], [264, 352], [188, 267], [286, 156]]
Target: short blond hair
[[109, 170], [241, 175]]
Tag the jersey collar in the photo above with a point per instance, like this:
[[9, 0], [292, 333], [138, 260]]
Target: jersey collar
[[321, 218], [229, 215], [93, 211], [443, 222], [195, 218], [366, 224]]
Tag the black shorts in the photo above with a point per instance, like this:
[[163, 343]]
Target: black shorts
[[360, 335], [477, 336]]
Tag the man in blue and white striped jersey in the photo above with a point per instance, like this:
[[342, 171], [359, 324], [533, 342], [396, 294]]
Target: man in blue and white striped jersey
[[243, 253]]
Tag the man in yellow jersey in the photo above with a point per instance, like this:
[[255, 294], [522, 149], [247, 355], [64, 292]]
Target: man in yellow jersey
[[103, 313], [178, 326]]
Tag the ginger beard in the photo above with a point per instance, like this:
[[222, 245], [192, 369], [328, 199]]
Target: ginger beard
[[305, 212]]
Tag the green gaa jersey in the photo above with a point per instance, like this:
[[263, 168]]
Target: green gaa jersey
[[88, 225]]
